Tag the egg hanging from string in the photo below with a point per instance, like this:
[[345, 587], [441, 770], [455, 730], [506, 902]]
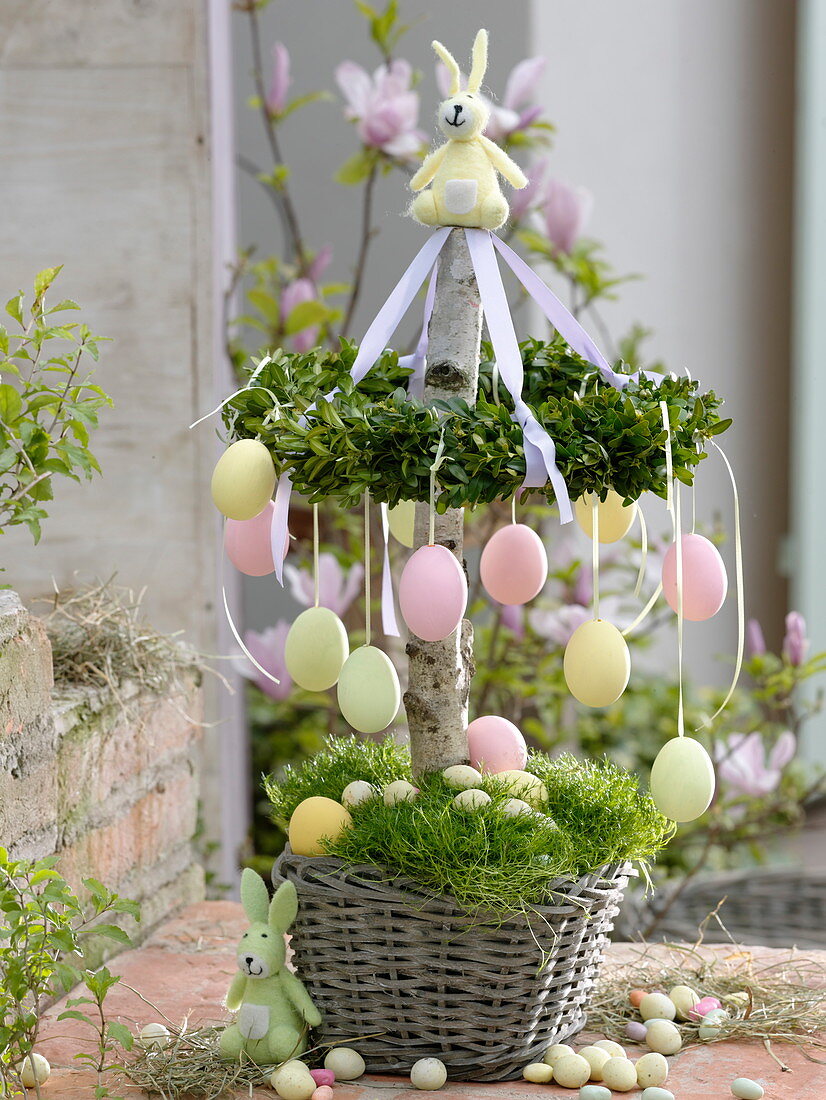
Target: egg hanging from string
[[401, 518], [682, 779], [514, 565], [614, 519], [368, 690], [597, 664], [248, 543], [432, 593], [496, 745], [316, 649], [705, 583], [243, 479]]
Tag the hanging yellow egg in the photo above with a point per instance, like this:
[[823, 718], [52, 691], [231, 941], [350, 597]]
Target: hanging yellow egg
[[402, 517], [368, 690], [615, 518], [314, 818], [243, 480], [682, 779], [597, 663], [316, 649]]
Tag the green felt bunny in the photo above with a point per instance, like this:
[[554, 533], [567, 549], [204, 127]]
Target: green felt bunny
[[272, 1006]]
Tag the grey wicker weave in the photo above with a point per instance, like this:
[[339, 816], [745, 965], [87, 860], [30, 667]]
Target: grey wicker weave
[[402, 974]]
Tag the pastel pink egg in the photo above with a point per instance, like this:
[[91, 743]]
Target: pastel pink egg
[[496, 745], [703, 1007], [432, 593], [704, 578], [514, 565], [247, 543], [323, 1092], [323, 1076]]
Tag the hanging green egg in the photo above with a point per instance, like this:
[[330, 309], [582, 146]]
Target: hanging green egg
[[368, 690], [682, 779], [316, 649], [402, 517], [243, 480]]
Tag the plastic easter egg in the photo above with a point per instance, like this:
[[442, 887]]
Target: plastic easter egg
[[526, 786], [347, 1064], [471, 800], [401, 518], [316, 649], [704, 578], [702, 1006], [682, 779], [538, 1073], [353, 795], [652, 1069], [514, 565], [368, 690], [597, 663], [248, 544], [462, 776], [496, 745], [428, 1074], [619, 1074], [615, 518], [314, 818], [657, 1005], [432, 593], [34, 1070], [399, 791], [243, 479]]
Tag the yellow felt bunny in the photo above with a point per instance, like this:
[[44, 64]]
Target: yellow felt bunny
[[463, 172]]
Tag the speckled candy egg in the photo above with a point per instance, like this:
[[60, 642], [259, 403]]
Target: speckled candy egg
[[314, 818], [596, 1058], [615, 518], [471, 800], [462, 776], [704, 578], [514, 565], [635, 1031], [571, 1071], [710, 1024], [526, 786], [652, 1069], [347, 1064], [399, 791], [703, 1006], [538, 1073], [292, 1081], [555, 1052], [428, 1074], [597, 663], [496, 745], [614, 1049], [746, 1089], [657, 1005], [353, 795], [515, 807], [316, 649], [663, 1037], [248, 543], [432, 593], [682, 779], [684, 998], [619, 1074], [402, 517], [368, 690], [243, 479]]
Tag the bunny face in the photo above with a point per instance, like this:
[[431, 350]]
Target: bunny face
[[261, 951], [463, 116]]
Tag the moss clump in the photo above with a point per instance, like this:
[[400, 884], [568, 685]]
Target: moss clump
[[595, 815]]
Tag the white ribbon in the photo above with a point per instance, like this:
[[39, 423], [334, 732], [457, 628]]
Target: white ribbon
[[388, 607], [417, 362]]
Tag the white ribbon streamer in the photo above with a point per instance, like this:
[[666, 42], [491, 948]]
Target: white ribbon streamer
[[417, 362], [388, 608], [279, 525]]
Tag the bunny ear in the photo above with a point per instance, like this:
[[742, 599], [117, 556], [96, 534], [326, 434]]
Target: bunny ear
[[452, 67], [283, 907], [254, 896], [480, 61]]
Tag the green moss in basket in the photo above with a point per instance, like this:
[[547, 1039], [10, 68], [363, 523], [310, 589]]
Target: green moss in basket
[[485, 859]]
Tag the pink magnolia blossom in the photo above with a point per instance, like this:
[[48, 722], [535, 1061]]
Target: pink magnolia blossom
[[558, 625], [516, 111], [755, 642], [268, 650], [513, 619], [384, 106], [276, 99], [530, 197], [795, 644], [293, 294], [336, 588], [742, 763], [565, 211]]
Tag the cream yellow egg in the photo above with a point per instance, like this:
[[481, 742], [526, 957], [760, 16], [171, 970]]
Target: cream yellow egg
[[399, 791], [316, 649], [663, 1037], [596, 1058], [525, 786], [614, 519], [34, 1070], [314, 818], [619, 1074], [652, 1070], [684, 998], [292, 1081], [462, 776], [538, 1073], [243, 479], [555, 1052], [368, 690], [682, 779], [597, 663], [571, 1071], [347, 1064], [614, 1049], [402, 517]]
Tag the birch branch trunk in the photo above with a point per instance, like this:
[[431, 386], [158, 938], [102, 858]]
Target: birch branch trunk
[[439, 673]]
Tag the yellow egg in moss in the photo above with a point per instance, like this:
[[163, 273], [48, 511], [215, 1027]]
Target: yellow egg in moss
[[316, 649], [682, 779], [243, 480], [402, 517], [614, 517], [368, 690], [314, 818], [525, 786], [597, 663]]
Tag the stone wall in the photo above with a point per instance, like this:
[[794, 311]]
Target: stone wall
[[110, 786]]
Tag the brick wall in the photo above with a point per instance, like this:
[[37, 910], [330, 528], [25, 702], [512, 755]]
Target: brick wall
[[110, 786]]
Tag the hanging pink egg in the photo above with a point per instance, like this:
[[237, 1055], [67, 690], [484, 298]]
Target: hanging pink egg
[[514, 565], [432, 593], [247, 543], [704, 578], [496, 745]]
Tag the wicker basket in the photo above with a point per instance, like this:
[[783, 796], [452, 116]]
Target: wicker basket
[[402, 974]]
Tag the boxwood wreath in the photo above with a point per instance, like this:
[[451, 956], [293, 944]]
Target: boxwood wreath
[[595, 815], [375, 437]]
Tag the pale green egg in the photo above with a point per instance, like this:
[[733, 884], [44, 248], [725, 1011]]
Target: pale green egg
[[316, 649], [682, 779], [243, 480], [368, 690], [402, 516]]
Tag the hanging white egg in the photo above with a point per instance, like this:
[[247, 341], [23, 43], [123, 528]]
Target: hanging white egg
[[432, 593], [514, 565], [597, 663], [402, 517], [368, 690], [614, 517], [682, 779], [316, 649], [705, 583], [243, 479]]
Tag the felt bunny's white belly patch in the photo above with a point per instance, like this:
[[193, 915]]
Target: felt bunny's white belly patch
[[460, 195], [253, 1021]]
